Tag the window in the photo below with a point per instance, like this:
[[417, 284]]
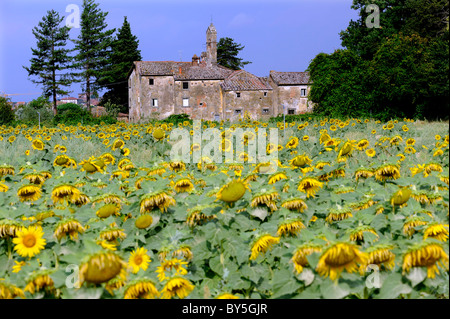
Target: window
[[201, 104], [238, 94], [291, 111], [186, 102], [265, 111], [155, 102], [185, 85], [265, 94], [303, 92], [151, 81], [237, 111]]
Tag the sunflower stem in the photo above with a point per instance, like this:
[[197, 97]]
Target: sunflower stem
[[9, 243]]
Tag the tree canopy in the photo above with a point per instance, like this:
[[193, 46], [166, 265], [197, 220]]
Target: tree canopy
[[397, 70], [227, 54]]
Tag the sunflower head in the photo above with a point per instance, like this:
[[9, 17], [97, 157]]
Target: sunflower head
[[100, 267], [29, 241], [232, 191], [338, 257], [143, 288], [427, 254]]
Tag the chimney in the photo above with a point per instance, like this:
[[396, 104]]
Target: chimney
[[180, 70], [195, 60]]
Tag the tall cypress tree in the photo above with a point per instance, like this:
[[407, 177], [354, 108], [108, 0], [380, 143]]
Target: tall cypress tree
[[50, 56], [94, 47], [227, 54], [124, 52]]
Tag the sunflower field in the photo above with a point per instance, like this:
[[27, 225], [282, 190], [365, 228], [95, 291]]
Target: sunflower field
[[355, 209]]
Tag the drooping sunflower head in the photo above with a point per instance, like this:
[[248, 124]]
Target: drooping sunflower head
[[92, 165], [40, 280], [112, 233], [108, 158], [363, 172], [262, 244], [265, 198], [387, 172], [310, 186], [362, 144], [337, 214], [64, 193], [412, 222], [143, 221], [158, 199], [117, 144], [142, 288], [177, 166], [34, 178], [295, 204], [29, 193], [290, 227], [338, 257], [427, 254], [357, 234], [299, 258], [277, 177], [437, 231], [100, 267], [300, 161], [9, 227], [183, 184], [10, 291], [380, 255], [177, 286], [29, 241], [232, 191], [125, 165], [68, 227]]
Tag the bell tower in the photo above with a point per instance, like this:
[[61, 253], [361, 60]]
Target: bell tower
[[211, 45]]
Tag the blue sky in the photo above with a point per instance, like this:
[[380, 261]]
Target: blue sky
[[281, 35]]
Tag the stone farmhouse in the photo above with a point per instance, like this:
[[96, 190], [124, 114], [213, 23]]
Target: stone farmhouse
[[206, 90]]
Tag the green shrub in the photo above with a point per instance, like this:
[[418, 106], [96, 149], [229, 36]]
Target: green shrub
[[73, 117], [29, 115], [6, 111], [67, 107], [178, 118]]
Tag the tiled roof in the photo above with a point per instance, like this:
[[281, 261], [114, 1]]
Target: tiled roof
[[243, 81], [182, 70], [290, 78]]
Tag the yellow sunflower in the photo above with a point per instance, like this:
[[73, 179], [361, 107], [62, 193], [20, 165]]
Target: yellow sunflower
[[100, 267], [138, 260], [29, 193], [29, 241], [177, 286], [338, 257], [310, 186], [262, 244], [232, 191], [425, 254], [142, 288]]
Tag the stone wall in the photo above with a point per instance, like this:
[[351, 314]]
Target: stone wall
[[204, 99], [254, 102]]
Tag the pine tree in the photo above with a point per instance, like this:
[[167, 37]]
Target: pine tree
[[50, 56], [227, 54], [94, 47], [124, 52]]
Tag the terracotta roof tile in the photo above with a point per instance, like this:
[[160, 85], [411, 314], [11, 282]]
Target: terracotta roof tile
[[244, 81], [290, 78], [183, 70]]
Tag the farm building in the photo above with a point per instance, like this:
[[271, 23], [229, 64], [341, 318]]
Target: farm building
[[206, 90]]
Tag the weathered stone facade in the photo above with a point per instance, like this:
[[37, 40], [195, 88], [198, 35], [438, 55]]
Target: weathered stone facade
[[205, 90]]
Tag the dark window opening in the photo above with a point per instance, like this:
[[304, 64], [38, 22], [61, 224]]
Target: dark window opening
[[265, 93], [155, 102], [265, 111], [151, 81], [303, 92], [238, 94], [238, 111], [185, 85], [291, 111]]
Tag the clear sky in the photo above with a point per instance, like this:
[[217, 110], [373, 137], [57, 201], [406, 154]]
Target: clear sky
[[280, 35]]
